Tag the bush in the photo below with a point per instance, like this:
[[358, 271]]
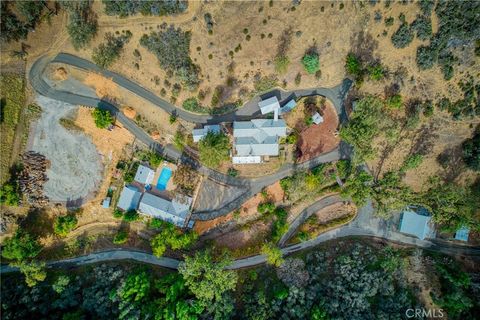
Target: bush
[[412, 162], [191, 104], [281, 64], [117, 213], [127, 8], [311, 62], [353, 66], [22, 246], [82, 25], [376, 72], [103, 118], [403, 36], [273, 253], [427, 56], [64, 224], [298, 79], [172, 237], [172, 48], [214, 148], [232, 172], [109, 51], [9, 194], [389, 21], [266, 207], [131, 215], [423, 27], [394, 102], [471, 151], [262, 84], [121, 237]]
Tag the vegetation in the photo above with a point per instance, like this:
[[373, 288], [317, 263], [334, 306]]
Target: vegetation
[[403, 36], [471, 151], [311, 62], [121, 237], [82, 23], [273, 253], [103, 118], [265, 83], [214, 148], [171, 237], [191, 104], [172, 48], [20, 247], [185, 178], [281, 64], [15, 28], [64, 224], [70, 125], [109, 51], [153, 158], [131, 216], [394, 102], [10, 194], [127, 8]]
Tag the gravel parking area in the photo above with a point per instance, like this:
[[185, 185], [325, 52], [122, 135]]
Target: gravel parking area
[[75, 170]]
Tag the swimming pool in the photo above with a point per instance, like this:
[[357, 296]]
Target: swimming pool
[[163, 179]]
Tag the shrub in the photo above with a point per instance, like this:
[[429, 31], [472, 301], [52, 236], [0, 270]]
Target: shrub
[[232, 172], [21, 246], [412, 162], [172, 237], [117, 213], [311, 62], [266, 207], [185, 178], [298, 79], [428, 108], [172, 48], [273, 253], [471, 151], [214, 148], [103, 118], [389, 21], [191, 104], [353, 66], [262, 84], [376, 72], [121, 237], [281, 64], [64, 224], [394, 102], [131, 215], [9, 194], [109, 51], [427, 56], [423, 27], [403, 36]]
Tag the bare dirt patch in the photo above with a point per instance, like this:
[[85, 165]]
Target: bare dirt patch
[[129, 112], [104, 87]]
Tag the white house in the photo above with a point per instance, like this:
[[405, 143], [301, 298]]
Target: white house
[[256, 139], [175, 211], [269, 105], [129, 198], [144, 175], [198, 134]]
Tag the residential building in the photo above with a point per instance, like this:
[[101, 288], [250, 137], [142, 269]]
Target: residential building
[[175, 211], [317, 118], [416, 221], [144, 175], [256, 139], [199, 134], [129, 198], [269, 105], [462, 234]]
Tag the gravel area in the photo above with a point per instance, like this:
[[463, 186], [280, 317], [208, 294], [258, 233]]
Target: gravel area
[[75, 170]]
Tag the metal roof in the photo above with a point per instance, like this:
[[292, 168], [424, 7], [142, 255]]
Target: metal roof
[[417, 224], [317, 118], [174, 211], [269, 105], [462, 234], [198, 134], [129, 198], [288, 106], [258, 137], [144, 175]]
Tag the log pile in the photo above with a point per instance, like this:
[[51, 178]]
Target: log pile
[[33, 177]]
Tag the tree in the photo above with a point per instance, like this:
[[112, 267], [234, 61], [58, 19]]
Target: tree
[[273, 253], [358, 187], [22, 246], [109, 51], [33, 271], [82, 25], [403, 36], [136, 287], [214, 148], [103, 118], [9, 194], [131, 215], [364, 125], [61, 283], [64, 224], [471, 151], [172, 237], [353, 66], [208, 280], [311, 62]]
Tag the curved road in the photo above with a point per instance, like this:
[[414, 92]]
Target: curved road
[[249, 111]]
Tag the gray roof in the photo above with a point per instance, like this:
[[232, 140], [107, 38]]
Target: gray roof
[[462, 234], [258, 137], [417, 224], [317, 118], [174, 211], [144, 175], [288, 106], [129, 198], [198, 134], [268, 105]]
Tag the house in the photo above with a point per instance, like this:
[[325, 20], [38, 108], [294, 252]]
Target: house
[[129, 198], [317, 118], [288, 106], [269, 105], [174, 211], [144, 175], [416, 221], [198, 134], [462, 234], [256, 139]]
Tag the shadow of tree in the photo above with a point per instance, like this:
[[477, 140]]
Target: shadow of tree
[[452, 163], [38, 222]]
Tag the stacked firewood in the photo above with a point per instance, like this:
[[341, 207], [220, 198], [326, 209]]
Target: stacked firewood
[[33, 177]]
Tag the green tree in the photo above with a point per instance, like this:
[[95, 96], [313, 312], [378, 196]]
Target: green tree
[[363, 127], [121, 237], [471, 151], [394, 101], [136, 287], [358, 187], [33, 271], [273, 253], [82, 24], [109, 51], [311, 62], [61, 283], [22, 246], [353, 66], [103, 118], [214, 148], [64, 224], [9, 194], [172, 237], [207, 279], [130, 216]]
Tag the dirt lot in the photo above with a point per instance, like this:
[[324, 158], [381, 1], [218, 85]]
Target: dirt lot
[[314, 139]]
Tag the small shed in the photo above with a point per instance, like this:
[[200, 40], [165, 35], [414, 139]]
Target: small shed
[[462, 234], [144, 175], [288, 106], [417, 222], [317, 118], [106, 202], [269, 105]]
